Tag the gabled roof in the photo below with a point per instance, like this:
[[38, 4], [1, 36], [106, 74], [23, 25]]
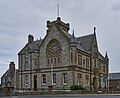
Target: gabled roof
[[86, 41], [67, 34], [32, 46], [114, 76], [5, 74], [100, 56]]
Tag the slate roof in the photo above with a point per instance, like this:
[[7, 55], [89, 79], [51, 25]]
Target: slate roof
[[86, 41], [67, 34], [114, 76], [5, 74], [35, 44], [32, 46]]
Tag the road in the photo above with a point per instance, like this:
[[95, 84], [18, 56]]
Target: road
[[88, 96]]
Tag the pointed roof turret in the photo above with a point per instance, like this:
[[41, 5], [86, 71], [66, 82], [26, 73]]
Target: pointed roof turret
[[73, 39], [106, 56], [73, 35]]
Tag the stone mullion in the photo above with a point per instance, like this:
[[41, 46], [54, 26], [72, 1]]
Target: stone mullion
[[30, 70]]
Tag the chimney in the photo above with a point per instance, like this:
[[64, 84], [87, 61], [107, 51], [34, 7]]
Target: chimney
[[30, 38], [12, 67]]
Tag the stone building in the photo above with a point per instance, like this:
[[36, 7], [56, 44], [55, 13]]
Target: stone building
[[114, 81], [7, 80], [61, 59]]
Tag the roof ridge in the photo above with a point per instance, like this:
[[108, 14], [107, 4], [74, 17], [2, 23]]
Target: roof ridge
[[85, 35]]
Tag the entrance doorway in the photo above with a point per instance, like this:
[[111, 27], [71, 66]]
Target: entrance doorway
[[35, 82], [95, 83]]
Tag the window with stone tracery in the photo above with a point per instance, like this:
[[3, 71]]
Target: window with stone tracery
[[53, 52]]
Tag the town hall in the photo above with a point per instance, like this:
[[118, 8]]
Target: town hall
[[60, 60]]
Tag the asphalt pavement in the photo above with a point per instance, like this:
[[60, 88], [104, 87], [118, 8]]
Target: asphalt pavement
[[69, 96]]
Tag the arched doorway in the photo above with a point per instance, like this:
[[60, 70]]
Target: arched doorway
[[95, 83]]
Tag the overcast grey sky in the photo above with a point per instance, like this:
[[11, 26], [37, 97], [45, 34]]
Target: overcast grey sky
[[18, 18]]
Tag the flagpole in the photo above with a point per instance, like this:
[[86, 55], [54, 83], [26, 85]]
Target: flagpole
[[57, 10]]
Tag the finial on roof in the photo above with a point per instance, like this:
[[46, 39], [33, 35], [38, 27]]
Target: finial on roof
[[73, 35], [94, 29], [73, 39], [58, 18], [40, 38], [106, 56]]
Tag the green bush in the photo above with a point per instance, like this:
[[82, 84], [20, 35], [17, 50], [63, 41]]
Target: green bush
[[76, 87], [80, 87]]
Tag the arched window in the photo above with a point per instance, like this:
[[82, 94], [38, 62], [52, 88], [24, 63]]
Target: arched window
[[26, 80], [53, 52]]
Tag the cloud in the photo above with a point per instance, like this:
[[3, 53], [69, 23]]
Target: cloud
[[116, 7]]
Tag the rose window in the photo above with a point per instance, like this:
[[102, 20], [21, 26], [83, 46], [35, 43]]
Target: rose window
[[53, 52], [54, 48]]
